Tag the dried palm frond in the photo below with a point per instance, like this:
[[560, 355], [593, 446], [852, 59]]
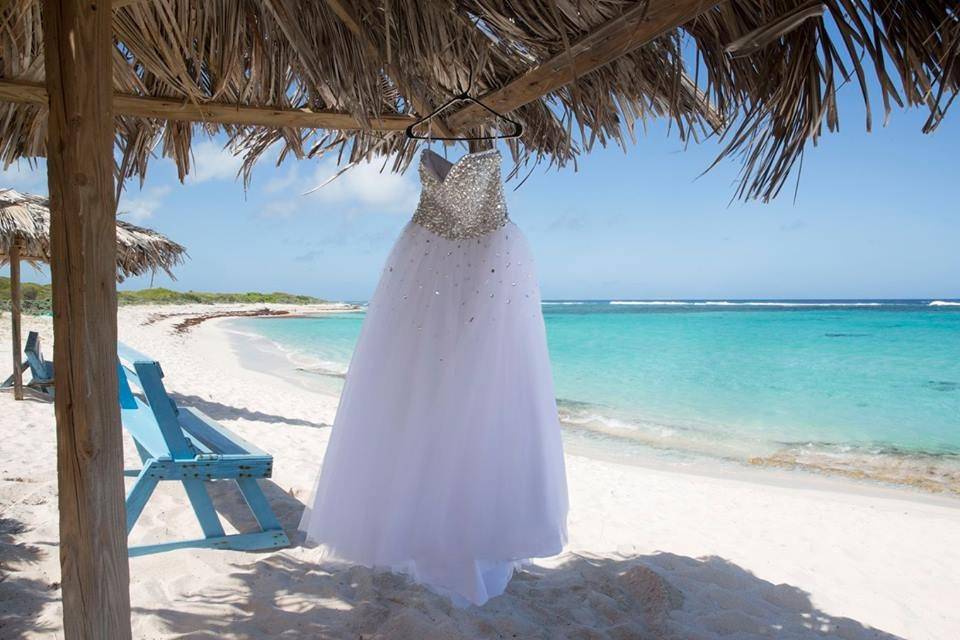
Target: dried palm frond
[[766, 104], [25, 222]]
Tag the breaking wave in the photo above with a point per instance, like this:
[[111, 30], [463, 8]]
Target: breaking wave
[[935, 472], [726, 303]]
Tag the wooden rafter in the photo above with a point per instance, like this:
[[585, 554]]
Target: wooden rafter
[[420, 104], [614, 39], [172, 109]]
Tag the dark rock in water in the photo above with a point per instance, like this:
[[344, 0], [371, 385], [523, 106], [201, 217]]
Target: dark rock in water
[[320, 371], [846, 335], [942, 385]]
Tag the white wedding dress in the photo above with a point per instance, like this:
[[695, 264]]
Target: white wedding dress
[[445, 461]]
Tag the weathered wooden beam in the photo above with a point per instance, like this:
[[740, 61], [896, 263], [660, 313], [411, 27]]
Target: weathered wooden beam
[[25, 92], [172, 109], [14, 259], [393, 71], [95, 577], [616, 38]]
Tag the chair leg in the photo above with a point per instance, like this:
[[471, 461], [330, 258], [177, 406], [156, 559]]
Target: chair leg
[[203, 507], [43, 388], [138, 496], [258, 504], [272, 535], [9, 381]]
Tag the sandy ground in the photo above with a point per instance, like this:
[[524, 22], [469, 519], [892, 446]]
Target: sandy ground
[[654, 553]]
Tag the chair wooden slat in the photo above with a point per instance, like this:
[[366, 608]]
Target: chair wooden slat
[[203, 428]]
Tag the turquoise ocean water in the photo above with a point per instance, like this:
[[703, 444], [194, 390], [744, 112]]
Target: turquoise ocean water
[[859, 388]]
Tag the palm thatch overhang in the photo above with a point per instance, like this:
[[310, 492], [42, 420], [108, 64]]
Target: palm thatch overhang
[[348, 77], [25, 223]]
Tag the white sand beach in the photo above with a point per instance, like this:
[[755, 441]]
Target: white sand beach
[[654, 552]]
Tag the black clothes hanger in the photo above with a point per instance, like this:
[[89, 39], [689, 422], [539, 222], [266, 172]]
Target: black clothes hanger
[[464, 97]]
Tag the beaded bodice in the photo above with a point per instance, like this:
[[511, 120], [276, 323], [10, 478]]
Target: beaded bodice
[[463, 199]]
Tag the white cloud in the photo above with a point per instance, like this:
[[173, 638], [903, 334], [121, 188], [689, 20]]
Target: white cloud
[[142, 205], [22, 177], [366, 187], [361, 189], [285, 182], [212, 162]]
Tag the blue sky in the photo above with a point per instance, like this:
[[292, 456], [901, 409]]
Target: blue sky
[[876, 216]]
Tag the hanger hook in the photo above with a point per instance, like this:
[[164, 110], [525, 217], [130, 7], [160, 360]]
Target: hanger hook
[[464, 96]]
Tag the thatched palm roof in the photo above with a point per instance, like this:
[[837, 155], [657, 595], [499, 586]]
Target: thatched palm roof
[[761, 73], [25, 220]]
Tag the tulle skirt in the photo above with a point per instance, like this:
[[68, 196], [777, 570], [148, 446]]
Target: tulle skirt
[[445, 461]]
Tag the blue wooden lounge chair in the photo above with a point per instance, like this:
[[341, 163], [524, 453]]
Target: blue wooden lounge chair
[[184, 445], [41, 370]]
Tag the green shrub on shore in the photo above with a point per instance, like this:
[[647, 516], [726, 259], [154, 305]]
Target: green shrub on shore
[[37, 297]]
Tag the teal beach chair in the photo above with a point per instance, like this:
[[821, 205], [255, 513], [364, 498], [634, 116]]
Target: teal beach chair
[[182, 444], [41, 370]]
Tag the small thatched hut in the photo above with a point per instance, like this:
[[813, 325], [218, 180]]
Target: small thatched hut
[[25, 235], [25, 230], [83, 78]]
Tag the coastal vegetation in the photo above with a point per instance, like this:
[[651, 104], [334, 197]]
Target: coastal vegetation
[[37, 297]]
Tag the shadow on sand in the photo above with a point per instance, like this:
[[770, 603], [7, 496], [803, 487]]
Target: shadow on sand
[[290, 594], [22, 600], [219, 411], [655, 597], [230, 505]]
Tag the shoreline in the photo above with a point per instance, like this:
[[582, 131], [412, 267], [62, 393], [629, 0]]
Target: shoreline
[[745, 555], [192, 320], [256, 352]]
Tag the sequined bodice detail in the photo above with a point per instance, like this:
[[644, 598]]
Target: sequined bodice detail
[[466, 200]]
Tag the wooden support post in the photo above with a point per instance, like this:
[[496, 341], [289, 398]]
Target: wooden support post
[[15, 320], [78, 42]]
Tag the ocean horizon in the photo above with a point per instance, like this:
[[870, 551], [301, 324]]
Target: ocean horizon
[[863, 388]]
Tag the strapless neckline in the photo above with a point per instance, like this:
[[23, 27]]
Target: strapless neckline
[[430, 153], [462, 199]]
